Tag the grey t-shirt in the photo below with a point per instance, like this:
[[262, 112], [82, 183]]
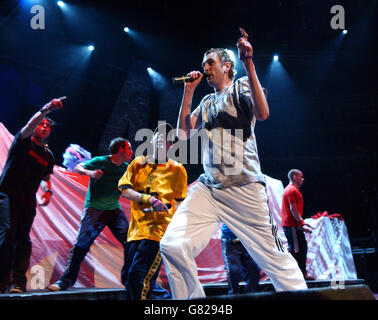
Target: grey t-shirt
[[230, 156]]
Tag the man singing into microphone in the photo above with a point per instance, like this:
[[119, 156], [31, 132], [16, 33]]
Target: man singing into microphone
[[229, 192], [156, 186]]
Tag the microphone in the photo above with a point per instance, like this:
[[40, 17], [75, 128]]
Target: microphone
[[183, 79], [152, 209]]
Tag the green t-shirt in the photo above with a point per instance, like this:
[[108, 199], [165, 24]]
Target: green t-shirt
[[103, 193]]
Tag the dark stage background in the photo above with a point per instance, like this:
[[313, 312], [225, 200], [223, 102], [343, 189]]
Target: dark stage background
[[322, 90]]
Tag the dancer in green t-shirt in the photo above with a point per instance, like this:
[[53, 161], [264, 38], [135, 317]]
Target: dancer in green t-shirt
[[101, 206]]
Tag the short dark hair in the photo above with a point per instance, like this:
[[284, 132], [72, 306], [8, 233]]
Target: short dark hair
[[117, 143], [51, 121], [224, 57], [292, 173]]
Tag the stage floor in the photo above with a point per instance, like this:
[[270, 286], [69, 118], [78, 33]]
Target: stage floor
[[212, 290]]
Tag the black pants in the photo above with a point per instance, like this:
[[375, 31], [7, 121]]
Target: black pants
[[297, 246], [16, 219], [140, 270], [239, 265], [91, 225]]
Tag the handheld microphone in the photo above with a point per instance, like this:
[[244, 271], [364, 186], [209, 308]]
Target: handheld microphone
[[183, 79], [152, 209]]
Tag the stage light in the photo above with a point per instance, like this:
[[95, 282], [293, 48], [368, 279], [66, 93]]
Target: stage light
[[275, 57], [90, 47], [158, 80], [126, 29], [60, 3], [345, 31]]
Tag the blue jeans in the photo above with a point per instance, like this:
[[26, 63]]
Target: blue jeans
[[239, 265], [91, 225]]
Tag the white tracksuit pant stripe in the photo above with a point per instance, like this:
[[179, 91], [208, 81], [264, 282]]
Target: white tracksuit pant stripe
[[244, 209]]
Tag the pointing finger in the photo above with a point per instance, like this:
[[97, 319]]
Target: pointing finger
[[244, 34]]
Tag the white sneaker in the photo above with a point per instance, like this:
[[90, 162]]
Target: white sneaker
[[54, 287]]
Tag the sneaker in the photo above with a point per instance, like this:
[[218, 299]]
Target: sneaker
[[15, 288], [57, 286]]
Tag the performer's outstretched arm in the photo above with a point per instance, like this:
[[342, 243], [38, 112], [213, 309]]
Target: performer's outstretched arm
[[94, 174], [259, 102], [29, 128]]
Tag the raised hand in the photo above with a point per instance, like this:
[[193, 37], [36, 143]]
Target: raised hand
[[245, 50], [56, 104]]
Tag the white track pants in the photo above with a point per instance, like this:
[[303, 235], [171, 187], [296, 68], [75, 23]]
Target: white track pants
[[245, 211]]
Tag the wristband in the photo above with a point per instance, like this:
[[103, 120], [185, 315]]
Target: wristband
[[302, 223], [145, 198], [49, 191]]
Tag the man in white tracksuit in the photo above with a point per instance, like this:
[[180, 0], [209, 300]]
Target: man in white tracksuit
[[232, 188]]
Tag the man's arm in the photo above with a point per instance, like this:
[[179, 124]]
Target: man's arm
[[29, 128], [95, 174], [297, 216], [133, 195], [187, 122], [295, 213], [259, 102]]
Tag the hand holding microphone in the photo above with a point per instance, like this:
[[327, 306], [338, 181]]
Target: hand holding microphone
[[158, 206], [191, 77]]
